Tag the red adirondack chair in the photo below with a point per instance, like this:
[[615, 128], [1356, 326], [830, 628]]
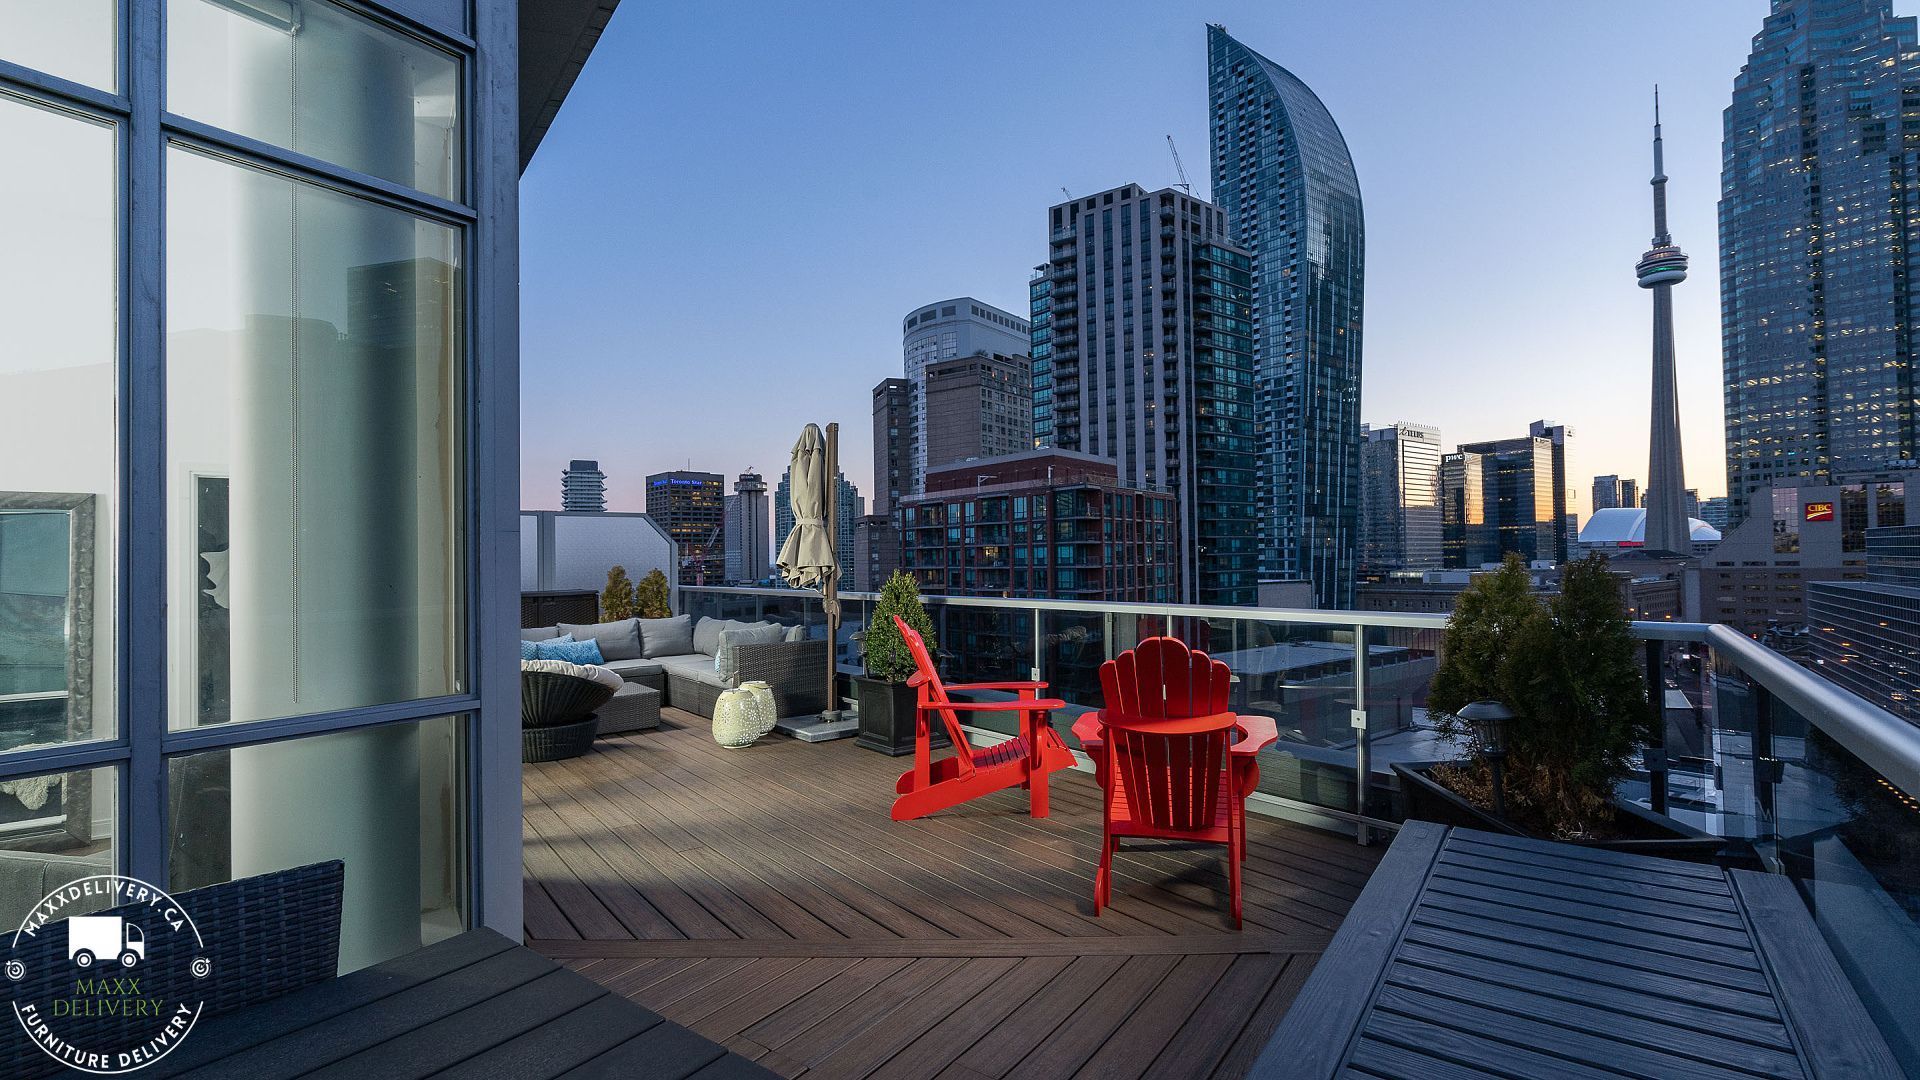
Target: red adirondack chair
[[1164, 757], [970, 771]]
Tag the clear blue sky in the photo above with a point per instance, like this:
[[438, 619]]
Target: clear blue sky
[[741, 200]]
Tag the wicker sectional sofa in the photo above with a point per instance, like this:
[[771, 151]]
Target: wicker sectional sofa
[[690, 680]]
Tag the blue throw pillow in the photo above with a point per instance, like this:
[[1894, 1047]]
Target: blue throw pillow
[[530, 650], [573, 652]]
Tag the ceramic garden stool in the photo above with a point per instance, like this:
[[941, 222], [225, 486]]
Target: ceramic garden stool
[[743, 715]]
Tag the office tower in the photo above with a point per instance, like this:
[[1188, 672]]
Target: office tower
[[1659, 270], [1630, 493], [1817, 247], [978, 406], [1048, 523], [892, 443], [1758, 578], [1564, 532], [1714, 512], [850, 508], [1606, 492], [583, 487], [948, 330], [1691, 503], [691, 507], [1282, 173], [1497, 497], [1866, 634], [1151, 367], [1399, 498], [748, 528]]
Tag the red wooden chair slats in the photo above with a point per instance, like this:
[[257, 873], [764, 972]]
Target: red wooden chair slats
[[970, 771], [1164, 765]]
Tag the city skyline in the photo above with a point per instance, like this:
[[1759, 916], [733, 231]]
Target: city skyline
[[1441, 349]]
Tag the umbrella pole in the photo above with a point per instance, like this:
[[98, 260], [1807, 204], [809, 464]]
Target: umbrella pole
[[830, 589]]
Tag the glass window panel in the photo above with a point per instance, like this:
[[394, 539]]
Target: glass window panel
[[389, 801], [59, 464], [322, 81], [313, 440], [73, 39], [54, 829]]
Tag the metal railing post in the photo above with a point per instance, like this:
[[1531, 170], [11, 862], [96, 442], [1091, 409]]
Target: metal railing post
[[1655, 753], [1039, 658], [1767, 769], [1362, 758]]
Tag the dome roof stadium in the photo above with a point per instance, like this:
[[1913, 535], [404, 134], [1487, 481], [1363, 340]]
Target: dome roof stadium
[[1626, 526]]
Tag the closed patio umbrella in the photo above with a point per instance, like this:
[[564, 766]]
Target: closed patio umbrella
[[807, 558]]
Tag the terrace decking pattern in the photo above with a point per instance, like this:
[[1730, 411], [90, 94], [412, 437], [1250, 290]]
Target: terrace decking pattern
[[763, 899]]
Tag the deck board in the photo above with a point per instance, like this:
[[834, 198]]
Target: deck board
[[764, 899]]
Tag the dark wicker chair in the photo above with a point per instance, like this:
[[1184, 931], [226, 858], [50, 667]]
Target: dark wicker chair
[[263, 937], [556, 714]]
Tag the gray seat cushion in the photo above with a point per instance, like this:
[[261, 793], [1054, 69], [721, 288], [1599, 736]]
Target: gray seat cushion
[[666, 637], [706, 635], [695, 666], [726, 662], [633, 669], [618, 640]]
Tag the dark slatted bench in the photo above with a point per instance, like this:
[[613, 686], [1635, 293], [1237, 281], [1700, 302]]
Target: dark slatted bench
[[473, 1007], [1471, 954]]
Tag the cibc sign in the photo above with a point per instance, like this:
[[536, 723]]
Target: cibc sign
[[1819, 511]]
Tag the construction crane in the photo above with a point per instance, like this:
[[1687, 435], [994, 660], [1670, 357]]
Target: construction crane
[[1067, 193], [1179, 168]]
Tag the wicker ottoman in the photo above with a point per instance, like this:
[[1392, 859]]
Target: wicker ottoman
[[633, 707]]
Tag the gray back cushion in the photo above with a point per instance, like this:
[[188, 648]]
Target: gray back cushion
[[706, 635], [667, 637], [617, 640], [539, 633], [726, 662]]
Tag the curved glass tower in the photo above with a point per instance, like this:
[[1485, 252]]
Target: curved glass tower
[[1282, 173]]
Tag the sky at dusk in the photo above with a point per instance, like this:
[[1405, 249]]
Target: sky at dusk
[[740, 201]]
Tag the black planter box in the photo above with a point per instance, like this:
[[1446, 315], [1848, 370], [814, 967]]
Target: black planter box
[[1644, 832], [887, 717]]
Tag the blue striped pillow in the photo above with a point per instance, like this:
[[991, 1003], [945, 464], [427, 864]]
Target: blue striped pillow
[[530, 650], [573, 652]]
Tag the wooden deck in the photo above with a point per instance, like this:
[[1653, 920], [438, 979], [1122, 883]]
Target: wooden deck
[[763, 898]]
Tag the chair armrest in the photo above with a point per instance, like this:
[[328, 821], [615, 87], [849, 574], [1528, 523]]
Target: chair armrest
[[1015, 705], [997, 686], [1259, 732]]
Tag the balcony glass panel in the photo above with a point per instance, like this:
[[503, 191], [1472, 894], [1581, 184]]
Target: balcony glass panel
[[73, 39], [322, 81], [54, 829], [59, 460], [314, 448], [389, 801]]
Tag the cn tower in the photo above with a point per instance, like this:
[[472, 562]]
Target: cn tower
[[1660, 269]]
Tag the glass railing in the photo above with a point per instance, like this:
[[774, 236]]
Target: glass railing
[[1794, 774]]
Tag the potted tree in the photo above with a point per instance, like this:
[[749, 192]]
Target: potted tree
[[887, 704], [1568, 671], [652, 598], [616, 600]]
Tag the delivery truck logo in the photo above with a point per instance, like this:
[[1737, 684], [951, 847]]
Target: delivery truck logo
[[104, 937]]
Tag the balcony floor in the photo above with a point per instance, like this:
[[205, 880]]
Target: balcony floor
[[763, 898]]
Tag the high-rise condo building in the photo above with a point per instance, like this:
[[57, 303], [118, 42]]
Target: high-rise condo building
[[583, 487], [1819, 207], [748, 526], [1564, 529], [1147, 326], [1282, 173], [978, 406], [949, 330], [892, 443], [691, 507], [1400, 498], [1607, 492]]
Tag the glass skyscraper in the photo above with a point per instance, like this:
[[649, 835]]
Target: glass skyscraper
[[1820, 173], [1282, 173]]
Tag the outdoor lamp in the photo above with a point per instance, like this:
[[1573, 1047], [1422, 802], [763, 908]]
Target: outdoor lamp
[[1489, 722]]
